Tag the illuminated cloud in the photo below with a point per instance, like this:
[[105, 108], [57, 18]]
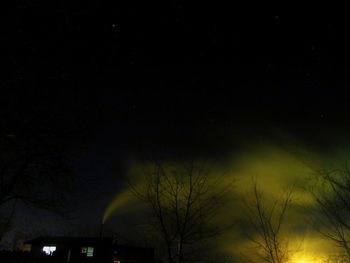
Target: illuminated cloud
[[275, 167], [120, 201]]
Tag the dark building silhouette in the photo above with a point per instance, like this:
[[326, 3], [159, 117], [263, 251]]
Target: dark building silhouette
[[86, 249]]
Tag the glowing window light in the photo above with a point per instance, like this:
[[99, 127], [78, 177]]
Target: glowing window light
[[48, 250], [89, 251]]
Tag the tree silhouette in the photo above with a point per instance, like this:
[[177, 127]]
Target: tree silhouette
[[266, 223], [331, 191], [41, 115], [36, 144], [182, 202]]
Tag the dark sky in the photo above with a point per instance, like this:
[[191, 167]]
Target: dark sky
[[198, 67], [176, 79]]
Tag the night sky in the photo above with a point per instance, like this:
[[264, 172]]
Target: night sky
[[177, 81]]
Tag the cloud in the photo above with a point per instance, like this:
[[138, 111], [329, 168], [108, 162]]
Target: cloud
[[276, 164]]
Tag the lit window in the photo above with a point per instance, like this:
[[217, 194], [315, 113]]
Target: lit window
[[89, 251], [48, 250]]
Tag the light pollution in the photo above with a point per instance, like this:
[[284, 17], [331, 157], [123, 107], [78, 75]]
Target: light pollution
[[275, 167]]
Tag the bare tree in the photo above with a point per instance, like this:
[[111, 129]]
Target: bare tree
[[35, 154], [331, 192], [35, 175], [182, 202], [265, 223]]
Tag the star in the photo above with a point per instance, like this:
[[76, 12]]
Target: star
[[276, 18]]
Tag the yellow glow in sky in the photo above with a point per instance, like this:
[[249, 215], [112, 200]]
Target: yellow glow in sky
[[309, 258], [275, 167], [121, 200]]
